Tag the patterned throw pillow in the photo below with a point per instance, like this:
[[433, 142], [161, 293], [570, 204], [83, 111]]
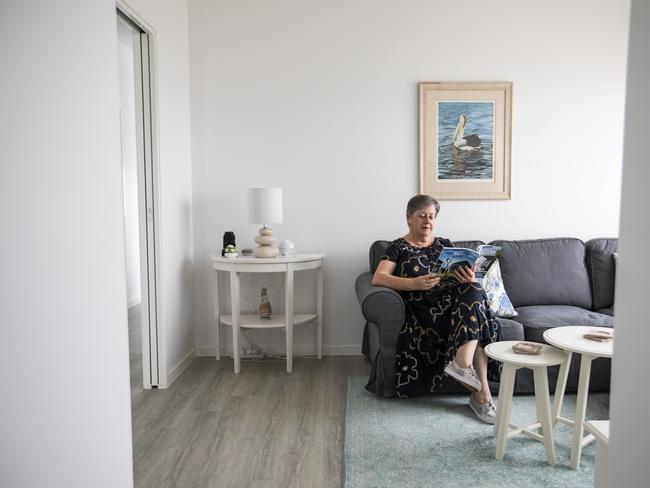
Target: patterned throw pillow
[[492, 283]]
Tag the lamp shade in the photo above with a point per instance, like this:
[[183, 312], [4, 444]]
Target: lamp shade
[[265, 205]]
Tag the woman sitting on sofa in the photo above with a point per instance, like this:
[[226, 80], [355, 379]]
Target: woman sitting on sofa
[[446, 328]]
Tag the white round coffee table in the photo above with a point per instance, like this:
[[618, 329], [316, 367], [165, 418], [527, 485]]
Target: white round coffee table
[[548, 356], [570, 339]]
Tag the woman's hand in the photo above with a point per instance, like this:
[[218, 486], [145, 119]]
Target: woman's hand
[[465, 275], [426, 282]]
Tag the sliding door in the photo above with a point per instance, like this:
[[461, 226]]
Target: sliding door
[[140, 193]]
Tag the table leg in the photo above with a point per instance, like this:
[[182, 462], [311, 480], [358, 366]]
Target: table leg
[[234, 298], [289, 316], [581, 409], [600, 466], [217, 317], [502, 424], [560, 386], [319, 312], [502, 396], [543, 404]]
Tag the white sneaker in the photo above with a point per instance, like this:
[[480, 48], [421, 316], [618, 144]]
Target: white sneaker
[[487, 411], [466, 376]]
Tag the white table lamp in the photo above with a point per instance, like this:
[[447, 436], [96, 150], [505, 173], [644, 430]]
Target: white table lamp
[[265, 207]]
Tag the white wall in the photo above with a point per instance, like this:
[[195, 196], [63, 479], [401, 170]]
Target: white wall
[[66, 419], [129, 161], [630, 398], [168, 19], [320, 98]]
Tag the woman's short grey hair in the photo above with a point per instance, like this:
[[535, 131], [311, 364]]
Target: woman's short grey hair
[[421, 201]]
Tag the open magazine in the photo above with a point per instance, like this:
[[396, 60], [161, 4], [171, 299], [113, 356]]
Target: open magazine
[[452, 258]]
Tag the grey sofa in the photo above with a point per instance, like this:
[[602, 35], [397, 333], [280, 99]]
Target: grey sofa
[[551, 283]]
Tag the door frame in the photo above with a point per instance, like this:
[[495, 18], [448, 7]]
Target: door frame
[[154, 374]]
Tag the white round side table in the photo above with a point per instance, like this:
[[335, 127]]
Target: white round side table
[[548, 356], [571, 339]]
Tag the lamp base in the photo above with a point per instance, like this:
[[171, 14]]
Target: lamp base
[[267, 247], [266, 252]]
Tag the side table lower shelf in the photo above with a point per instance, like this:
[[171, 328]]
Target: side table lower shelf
[[253, 321]]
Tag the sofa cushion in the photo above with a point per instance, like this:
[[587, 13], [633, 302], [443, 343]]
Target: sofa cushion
[[492, 284], [545, 272], [601, 266], [538, 318], [510, 330]]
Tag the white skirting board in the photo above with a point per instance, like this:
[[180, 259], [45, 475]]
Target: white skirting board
[[298, 350], [177, 370]]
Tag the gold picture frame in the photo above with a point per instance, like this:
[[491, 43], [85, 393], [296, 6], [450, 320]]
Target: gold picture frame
[[465, 137]]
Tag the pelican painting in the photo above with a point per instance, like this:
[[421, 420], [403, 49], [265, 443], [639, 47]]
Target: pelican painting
[[462, 142], [465, 138], [465, 132]]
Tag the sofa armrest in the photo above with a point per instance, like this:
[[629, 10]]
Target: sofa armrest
[[382, 306]]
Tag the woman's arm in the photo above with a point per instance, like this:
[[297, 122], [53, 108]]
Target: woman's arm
[[384, 277]]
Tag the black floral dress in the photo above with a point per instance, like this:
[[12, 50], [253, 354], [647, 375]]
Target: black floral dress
[[437, 322]]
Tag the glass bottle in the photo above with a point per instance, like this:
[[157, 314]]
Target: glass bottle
[[265, 305]]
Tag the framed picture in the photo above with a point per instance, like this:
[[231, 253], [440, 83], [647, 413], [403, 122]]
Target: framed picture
[[465, 131]]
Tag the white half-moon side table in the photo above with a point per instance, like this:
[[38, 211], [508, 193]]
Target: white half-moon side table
[[283, 264], [570, 339], [548, 356]]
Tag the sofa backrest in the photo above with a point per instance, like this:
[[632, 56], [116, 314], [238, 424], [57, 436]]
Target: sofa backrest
[[602, 270], [378, 249], [469, 244], [545, 272]]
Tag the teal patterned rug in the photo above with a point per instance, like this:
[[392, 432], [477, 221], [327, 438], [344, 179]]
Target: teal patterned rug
[[436, 441]]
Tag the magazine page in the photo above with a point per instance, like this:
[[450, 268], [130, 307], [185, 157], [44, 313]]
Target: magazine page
[[488, 255], [488, 250], [452, 258], [455, 257]]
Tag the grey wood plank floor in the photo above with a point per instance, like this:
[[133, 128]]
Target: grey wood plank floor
[[261, 428]]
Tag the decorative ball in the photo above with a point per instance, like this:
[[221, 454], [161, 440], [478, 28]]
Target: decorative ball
[[287, 248]]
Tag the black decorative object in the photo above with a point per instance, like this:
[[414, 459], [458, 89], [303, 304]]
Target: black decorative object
[[228, 239]]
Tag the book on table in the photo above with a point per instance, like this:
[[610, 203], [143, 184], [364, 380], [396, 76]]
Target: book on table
[[453, 258], [599, 335], [527, 347]]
